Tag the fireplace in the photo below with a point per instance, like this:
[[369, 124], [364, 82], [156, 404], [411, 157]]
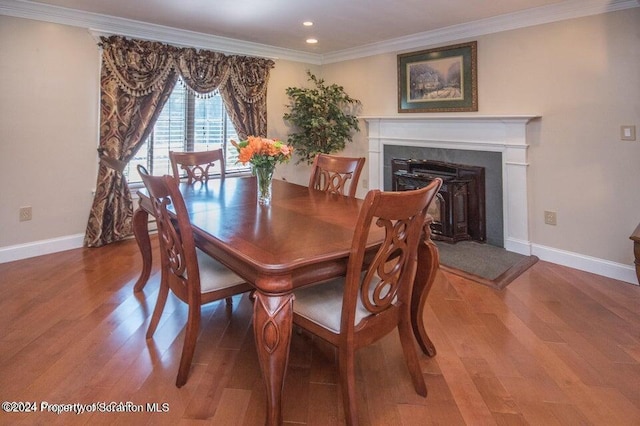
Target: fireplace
[[506, 135], [458, 210]]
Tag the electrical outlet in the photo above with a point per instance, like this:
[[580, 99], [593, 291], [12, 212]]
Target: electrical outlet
[[628, 133], [25, 213], [550, 218]]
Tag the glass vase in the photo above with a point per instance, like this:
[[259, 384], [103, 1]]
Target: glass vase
[[264, 177]]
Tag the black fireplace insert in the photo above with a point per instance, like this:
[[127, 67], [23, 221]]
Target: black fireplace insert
[[459, 208]]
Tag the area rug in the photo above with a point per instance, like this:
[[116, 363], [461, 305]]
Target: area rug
[[483, 263]]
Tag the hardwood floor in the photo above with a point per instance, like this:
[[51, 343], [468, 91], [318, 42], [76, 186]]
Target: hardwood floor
[[556, 347]]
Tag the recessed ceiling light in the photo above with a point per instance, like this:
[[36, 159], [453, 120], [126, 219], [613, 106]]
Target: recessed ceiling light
[[312, 40], [307, 23]]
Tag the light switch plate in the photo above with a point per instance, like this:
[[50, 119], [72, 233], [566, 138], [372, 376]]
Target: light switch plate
[[628, 133]]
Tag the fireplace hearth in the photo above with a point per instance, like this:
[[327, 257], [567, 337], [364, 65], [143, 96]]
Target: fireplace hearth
[[458, 211]]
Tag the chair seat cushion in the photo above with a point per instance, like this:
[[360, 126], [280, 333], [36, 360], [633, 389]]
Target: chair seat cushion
[[214, 275], [322, 304]]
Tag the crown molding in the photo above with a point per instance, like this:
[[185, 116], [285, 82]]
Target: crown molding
[[108, 25], [103, 25], [569, 9]]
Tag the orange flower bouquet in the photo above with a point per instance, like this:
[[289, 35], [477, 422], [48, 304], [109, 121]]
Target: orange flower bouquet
[[263, 154]]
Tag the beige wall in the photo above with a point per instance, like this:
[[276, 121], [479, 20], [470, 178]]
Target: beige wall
[[49, 79], [286, 74], [581, 75]]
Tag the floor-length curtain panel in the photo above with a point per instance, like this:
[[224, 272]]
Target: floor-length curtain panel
[[245, 95], [137, 78]]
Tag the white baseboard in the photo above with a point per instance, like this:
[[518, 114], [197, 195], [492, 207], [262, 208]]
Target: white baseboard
[[518, 246], [39, 248], [606, 268]]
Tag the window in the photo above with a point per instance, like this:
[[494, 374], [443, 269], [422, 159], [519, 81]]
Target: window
[[186, 123]]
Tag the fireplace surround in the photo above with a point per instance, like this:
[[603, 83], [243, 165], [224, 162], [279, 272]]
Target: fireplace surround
[[504, 134]]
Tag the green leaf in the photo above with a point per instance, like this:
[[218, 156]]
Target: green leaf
[[321, 118]]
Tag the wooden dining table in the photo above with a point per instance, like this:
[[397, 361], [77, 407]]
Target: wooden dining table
[[303, 237]]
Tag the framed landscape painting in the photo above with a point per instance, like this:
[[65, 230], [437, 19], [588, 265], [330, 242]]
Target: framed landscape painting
[[439, 80]]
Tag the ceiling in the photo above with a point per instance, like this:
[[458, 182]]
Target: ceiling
[[345, 29], [338, 24]]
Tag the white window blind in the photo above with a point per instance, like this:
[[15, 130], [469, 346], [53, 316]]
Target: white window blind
[[186, 123]]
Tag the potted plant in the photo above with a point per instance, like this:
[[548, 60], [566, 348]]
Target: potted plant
[[323, 117]]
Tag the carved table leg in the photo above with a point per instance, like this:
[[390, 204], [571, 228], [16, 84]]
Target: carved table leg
[[272, 325], [141, 232], [428, 264]]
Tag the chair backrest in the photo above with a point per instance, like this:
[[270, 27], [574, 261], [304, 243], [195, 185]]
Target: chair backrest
[[333, 173], [388, 280], [177, 246], [196, 164]]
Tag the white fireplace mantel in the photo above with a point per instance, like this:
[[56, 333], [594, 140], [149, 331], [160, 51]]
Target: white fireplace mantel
[[505, 134]]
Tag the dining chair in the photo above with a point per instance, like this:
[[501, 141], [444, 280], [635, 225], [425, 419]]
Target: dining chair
[[193, 276], [196, 165], [333, 173], [375, 296]]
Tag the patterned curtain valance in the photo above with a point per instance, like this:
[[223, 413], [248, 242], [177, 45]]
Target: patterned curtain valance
[[203, 71], [140, 66]]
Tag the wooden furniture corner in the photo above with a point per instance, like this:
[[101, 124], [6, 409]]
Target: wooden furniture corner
[[636, 249]]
